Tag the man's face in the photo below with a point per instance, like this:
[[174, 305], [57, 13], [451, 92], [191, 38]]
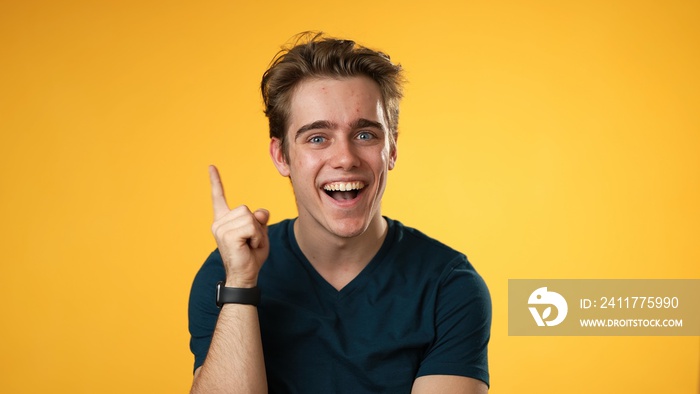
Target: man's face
[[339, 154]]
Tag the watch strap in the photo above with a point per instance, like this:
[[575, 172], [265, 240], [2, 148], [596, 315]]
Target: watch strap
[[236, 295]]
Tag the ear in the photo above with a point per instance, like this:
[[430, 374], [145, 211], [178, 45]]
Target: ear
[[277, 155], [392, 157]]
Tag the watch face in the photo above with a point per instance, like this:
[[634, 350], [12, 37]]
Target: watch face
[[218, 294]]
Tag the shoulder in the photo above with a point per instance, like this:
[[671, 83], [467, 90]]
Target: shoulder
[[449, 269], [413, 245], [411, 236]]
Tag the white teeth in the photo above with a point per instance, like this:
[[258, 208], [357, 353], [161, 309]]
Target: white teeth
[[343, 186]]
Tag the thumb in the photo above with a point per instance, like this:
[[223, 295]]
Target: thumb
[[259, 239], [262, 216]]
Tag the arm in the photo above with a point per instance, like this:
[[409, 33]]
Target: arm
[[448, 384], [234, 363]]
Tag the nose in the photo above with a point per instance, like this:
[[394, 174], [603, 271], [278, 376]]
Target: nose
[[344, 155]]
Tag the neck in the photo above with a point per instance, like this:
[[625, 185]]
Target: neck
[[340, 259]]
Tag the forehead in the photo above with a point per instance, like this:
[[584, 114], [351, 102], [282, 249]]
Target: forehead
[[340, 101]]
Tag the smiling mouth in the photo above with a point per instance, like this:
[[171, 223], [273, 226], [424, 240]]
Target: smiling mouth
[[343, 191]]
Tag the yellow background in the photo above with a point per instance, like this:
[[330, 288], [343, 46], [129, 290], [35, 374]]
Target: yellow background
[[545, 139]]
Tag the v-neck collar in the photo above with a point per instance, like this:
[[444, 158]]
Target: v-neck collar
[[358, 281]]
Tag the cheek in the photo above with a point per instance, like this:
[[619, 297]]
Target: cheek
[[304, 166]]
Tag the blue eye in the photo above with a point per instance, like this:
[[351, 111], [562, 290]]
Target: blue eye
[[365, 135], [316, 140]]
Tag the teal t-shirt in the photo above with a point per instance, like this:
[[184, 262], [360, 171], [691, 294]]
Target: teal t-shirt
[[418, 308]]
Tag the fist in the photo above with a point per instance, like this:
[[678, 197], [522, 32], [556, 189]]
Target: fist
[[241, 236]]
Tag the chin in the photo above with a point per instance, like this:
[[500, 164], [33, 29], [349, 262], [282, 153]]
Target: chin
[[349, 228]]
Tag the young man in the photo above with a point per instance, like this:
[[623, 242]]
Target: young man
[[340, 299]]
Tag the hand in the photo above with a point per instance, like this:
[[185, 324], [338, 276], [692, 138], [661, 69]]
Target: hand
[[241, 236]]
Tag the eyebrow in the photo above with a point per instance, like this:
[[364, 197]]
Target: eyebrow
[[325, 124], [319, 124], [363, 123]]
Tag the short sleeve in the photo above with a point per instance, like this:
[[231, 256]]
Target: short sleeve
[[202, 311], [462, 325]]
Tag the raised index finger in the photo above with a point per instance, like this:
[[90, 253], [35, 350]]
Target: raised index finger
[[217, 193]]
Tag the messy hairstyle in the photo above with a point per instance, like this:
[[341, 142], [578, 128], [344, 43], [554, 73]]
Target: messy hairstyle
[[314, 55]]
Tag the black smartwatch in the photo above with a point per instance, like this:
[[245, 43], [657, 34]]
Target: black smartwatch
[[236, 295]]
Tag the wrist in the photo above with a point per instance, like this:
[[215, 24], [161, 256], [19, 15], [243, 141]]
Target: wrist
[[236, 295], [241, 283], [242, 278]]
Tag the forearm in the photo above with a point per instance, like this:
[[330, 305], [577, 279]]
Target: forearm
[[234, 363]]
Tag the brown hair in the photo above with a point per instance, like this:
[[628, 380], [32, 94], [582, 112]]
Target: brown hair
[[314, 55]]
